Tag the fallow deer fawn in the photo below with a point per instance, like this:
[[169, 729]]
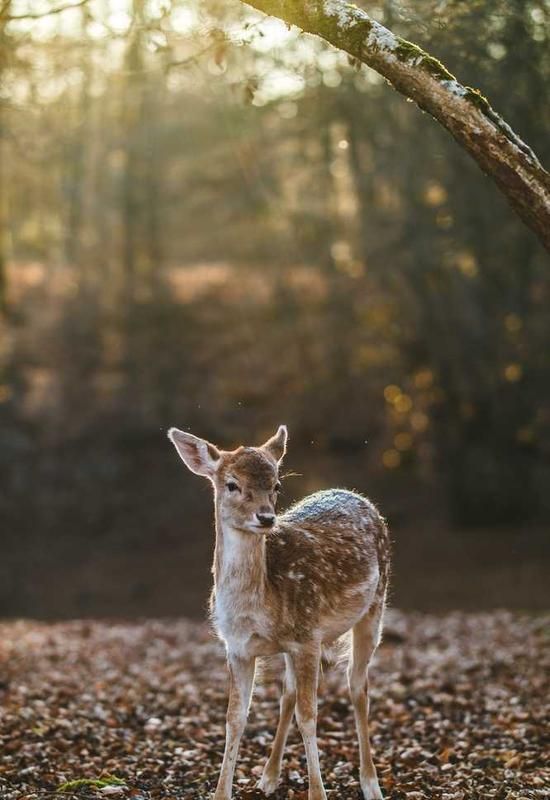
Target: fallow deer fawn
[[290, 584]]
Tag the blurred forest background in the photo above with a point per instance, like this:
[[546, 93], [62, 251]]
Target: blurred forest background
[[208, 220]]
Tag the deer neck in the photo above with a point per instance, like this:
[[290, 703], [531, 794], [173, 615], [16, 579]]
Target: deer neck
[[239, 558]]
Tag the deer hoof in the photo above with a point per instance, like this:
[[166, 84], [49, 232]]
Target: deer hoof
[[371, 789], [268, 783]]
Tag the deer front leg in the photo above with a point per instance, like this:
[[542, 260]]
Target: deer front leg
[[270, 777], [241, 680], [306, 670]]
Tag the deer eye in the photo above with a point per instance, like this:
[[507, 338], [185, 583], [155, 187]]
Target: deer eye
[[232, 486], [277, 487]]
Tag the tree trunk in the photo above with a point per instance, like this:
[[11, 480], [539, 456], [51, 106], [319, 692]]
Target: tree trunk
[[4, 49], [76, 157], [463, 111], [3, 235]]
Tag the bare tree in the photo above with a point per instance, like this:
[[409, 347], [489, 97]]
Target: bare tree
[[462, 110], [5, 44]]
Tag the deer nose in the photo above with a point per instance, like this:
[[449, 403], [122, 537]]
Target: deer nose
[[266, 520]]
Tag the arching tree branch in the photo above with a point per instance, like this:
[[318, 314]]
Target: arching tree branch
[[463, 111], [38, 14]]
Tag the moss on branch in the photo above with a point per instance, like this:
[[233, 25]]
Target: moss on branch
[[354, 34], [478, 99], [412, 54]]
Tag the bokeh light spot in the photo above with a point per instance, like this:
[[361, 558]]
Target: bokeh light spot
[[435, 194], [391, 459], [403, 403], [423, 379], [513, 372], [403, 441], [391, 393], [467, 264], [419, 421], [513, 323], [5, 393], [444, 220]]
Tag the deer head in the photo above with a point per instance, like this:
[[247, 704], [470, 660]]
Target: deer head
[[246, 480]]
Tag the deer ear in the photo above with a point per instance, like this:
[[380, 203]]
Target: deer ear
[[276, 446], [200, 456]]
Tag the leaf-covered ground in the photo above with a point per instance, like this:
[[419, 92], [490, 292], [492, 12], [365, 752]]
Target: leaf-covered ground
[[459, 705]]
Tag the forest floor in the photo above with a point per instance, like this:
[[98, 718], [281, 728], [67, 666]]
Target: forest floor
[[136, 711]]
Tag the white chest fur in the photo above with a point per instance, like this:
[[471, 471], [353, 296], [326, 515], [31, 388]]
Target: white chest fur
[[242, 622]]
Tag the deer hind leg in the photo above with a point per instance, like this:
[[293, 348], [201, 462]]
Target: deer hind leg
[[272, 771], [306, 670], [366, 636], [241, 680]]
